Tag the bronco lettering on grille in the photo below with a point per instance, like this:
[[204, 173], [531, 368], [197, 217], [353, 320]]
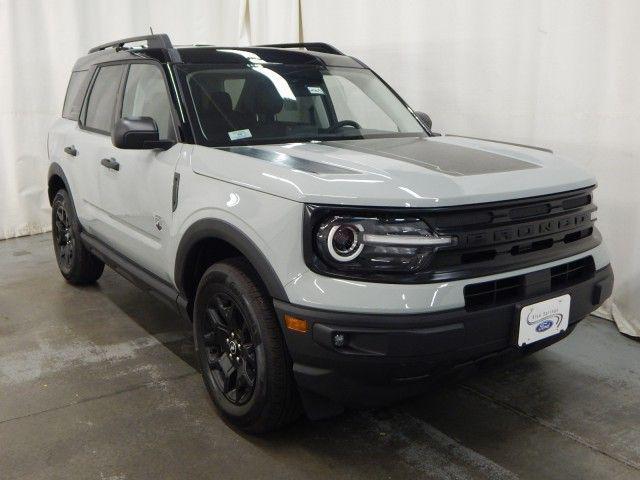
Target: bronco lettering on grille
[[516, 232]]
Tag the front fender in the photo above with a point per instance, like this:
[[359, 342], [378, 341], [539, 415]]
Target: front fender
[[222, 230]]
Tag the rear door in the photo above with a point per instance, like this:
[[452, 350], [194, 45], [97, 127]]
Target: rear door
[[63, 136], [138, 196]]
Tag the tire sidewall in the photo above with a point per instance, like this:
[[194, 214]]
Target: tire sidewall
[[221, 280]]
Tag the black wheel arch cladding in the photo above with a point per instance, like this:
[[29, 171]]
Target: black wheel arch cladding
[[216, 229], [54, 177]]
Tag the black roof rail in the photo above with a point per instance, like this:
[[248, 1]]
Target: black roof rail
[[312, 46], [158, 40]]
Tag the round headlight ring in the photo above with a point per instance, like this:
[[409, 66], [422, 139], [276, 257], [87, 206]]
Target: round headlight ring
[[353, 249]]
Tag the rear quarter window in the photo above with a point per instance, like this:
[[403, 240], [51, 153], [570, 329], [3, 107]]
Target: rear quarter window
[[75, 94]]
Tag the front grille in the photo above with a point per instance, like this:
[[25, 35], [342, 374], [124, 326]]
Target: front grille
[[501, 236], [572, 272], [514, 289]]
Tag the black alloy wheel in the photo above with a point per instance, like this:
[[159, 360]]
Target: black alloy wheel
[[64, 238], [231, 350], [240, 349]]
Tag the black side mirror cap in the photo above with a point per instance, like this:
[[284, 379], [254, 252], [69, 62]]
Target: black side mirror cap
[[138, 133], [424, 119]]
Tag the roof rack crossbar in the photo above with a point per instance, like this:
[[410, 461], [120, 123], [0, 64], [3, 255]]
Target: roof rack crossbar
[[312, 46], [159, 40]]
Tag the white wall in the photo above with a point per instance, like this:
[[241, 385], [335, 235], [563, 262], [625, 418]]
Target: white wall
[[562, 74]]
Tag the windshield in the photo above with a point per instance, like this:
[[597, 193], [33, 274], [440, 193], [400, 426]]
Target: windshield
[[274, 103]]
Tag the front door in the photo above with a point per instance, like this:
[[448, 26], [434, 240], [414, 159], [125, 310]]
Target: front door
[[138, 194]]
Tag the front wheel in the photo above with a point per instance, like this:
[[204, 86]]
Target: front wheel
[[241, 351]]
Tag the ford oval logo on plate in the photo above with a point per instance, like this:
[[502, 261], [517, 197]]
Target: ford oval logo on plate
[[543, 319], [544, 326]]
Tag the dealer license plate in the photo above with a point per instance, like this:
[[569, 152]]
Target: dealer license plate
[[543, 319]]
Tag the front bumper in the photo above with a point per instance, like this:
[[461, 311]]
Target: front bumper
[[389, 356]]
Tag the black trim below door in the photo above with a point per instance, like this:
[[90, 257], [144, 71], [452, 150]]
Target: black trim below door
[[137, 275]]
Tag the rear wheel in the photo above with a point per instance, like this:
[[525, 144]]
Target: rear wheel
[[241, 351], [77, 265]]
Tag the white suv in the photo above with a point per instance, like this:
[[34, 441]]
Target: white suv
[[329, 248]]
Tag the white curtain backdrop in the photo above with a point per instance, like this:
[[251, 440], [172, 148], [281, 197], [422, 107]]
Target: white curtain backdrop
[[274, 21], [557, 73], [41, 39]]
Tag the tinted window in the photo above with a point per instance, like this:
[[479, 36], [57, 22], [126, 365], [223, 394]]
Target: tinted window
[[354, 104], [102, 99], [234, 86], [75, 94], [146, 96], [277, 103]]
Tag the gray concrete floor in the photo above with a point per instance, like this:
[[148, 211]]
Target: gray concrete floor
[[99, 383]]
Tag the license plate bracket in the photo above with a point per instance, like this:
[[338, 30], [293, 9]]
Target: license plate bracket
[[543, 319]]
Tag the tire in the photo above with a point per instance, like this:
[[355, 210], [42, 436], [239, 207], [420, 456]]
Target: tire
[[241, 351], [77, 265]]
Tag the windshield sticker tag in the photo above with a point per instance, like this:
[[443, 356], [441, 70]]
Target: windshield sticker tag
[[240, 134], [315, 90]]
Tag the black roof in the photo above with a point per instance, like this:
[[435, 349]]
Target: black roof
[[159, 48]]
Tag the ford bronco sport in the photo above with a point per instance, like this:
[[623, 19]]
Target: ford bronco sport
[[329, 248]]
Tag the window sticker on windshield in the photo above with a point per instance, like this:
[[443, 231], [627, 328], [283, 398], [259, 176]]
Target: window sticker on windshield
[[315, 90], [240, 134]]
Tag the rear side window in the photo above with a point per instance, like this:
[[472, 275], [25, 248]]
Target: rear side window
[[102, 99], [75, 94]]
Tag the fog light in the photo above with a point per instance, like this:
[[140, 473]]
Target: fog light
[[339, 340]]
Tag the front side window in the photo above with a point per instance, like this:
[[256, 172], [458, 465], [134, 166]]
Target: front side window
[[102, 99], [275, 103], [146, 95]]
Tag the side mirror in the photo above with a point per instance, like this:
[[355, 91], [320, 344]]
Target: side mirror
[[425, 119], [138, 133]]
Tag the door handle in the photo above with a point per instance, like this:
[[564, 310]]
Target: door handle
[[71, 150], [110, 163]]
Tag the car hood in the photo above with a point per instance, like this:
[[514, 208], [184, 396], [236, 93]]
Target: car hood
[[402, 172]]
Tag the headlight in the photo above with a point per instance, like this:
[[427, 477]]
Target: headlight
[[385, 244], [344, 241]]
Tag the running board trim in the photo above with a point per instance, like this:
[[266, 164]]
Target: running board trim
[[137, 275]]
